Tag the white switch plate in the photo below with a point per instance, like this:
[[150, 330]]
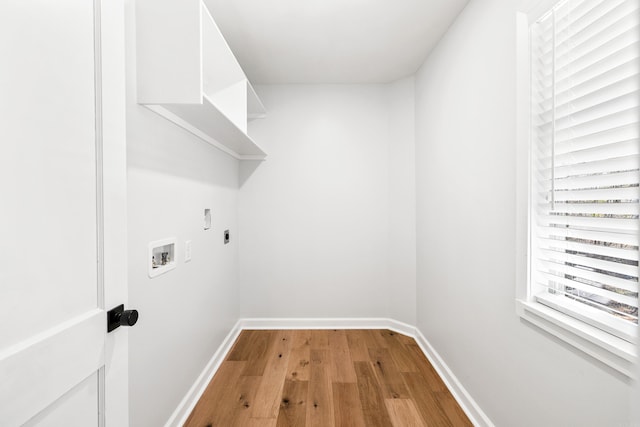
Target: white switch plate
[[187, 251]]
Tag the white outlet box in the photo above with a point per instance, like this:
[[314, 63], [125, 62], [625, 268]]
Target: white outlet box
[[187, 251], [161, 256]]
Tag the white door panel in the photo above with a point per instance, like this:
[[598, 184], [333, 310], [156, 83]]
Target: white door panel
[[77, 408], [41, 370], [48, 178]]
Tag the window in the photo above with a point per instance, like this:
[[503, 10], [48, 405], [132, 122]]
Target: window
[[585, 172]]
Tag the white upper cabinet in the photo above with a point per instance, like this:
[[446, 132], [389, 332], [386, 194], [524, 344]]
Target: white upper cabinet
[[187, 73]]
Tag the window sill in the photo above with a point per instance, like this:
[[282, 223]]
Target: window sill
[[615, 352]]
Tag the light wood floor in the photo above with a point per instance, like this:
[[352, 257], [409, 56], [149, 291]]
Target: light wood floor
[[326, 378]]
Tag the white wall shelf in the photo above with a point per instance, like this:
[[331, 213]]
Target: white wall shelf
[[187, 73], [207, 122]]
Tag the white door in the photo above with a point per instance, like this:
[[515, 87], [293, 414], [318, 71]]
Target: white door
[[62, 213]]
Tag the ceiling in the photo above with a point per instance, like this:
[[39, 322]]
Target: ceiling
[[332, 41]]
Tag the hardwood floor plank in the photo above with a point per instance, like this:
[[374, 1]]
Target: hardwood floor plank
[[241, 348], [403, 413], [357, 345], [425, 400], [217, 402], [426, 370], [245, 393], [403, 359], [374, 339], [319, 339], [299, 361], [320, 401], [267, 399], [370, 395], [293, 405], [341, 363], [247, 343], [388, 375], [404, 339], [453, 410], [253, 347], [259, 422], [347, 406]]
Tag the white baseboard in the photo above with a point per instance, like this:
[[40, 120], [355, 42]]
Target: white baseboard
[[462, 396], [182, 412], [467, 403], [327, 323]]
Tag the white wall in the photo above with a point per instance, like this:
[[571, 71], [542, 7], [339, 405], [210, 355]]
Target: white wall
[[465, 165], [314, 218], [185, 313], [402, 202]]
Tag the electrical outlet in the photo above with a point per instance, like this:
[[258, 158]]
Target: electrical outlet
[[187, 251]]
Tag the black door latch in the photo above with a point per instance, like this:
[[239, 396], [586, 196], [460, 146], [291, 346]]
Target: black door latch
[[118, 316]]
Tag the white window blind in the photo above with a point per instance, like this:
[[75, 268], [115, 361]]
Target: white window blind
[[585, 161]]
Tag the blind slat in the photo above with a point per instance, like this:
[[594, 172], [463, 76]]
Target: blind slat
[[551, 266], [615, 72], [607, 118], [605, 238], [560, 243], [599, 94], [577, 39], [609, 225], [590, 260], [602, 195], [573, 13], [602, 137], [628, 162], [629, 300], [597, 208], [597, 181], [566, 65], [544, 78], [573, 116], [620, 149], [594, 300]]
